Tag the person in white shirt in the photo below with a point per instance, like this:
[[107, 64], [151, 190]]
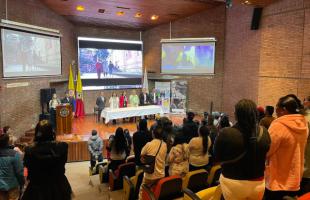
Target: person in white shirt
[[154, 97], [151, 148], [114, 101], [54, 102]]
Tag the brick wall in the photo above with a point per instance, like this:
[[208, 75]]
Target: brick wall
[[202, 89], [20, 106]]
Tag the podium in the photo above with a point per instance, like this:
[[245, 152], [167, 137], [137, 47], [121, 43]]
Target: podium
[[63, 119]]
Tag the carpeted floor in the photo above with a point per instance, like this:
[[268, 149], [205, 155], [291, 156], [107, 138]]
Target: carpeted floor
[[88, 188]]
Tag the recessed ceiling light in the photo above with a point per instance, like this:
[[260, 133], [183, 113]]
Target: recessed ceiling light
[[101, 10], [120, 13], [247, 2], [80, 8], [138, 15], [154, 17]]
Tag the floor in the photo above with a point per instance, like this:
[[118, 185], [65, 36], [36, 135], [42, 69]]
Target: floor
[[88, 188]]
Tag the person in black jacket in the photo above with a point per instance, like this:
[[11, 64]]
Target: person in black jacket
[[100, 102], [139, 139], [144, 98], [190, 128], [45, 161], [242, 151]]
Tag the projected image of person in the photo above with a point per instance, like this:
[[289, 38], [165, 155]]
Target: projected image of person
[[99, 68], [111, 68]]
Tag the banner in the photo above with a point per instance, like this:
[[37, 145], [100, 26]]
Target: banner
[[178, 96], [163, 91]]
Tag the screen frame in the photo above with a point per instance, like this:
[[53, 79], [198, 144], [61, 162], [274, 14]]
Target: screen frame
[[184, 41], [110, 87], [30, 77]]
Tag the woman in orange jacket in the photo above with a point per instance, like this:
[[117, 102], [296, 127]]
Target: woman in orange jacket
[[285, 159]]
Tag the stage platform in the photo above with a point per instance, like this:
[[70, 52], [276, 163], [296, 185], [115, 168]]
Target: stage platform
[[81, 131]]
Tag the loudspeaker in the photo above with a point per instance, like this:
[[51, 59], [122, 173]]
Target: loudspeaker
[[257, 14], [46, 95]]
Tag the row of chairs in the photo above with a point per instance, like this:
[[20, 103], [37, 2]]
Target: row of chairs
[[173, 186]]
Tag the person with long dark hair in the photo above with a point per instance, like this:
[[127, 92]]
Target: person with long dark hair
[[285, 159], [241, 150], [45, 161], [118, 148], [199, 150], [139, 139]]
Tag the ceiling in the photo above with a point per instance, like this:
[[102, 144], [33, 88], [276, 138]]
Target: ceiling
[[167, 10]]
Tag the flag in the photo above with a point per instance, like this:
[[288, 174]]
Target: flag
[[145, 81], [71, 82], [79, 88], [79, 97]]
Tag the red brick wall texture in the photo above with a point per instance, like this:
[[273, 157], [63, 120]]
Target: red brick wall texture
[[261, 65]]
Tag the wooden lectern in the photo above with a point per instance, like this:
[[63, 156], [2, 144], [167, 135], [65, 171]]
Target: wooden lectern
[[63, 119]]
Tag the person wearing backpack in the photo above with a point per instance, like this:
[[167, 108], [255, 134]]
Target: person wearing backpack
[[157, 151], [241, 150]]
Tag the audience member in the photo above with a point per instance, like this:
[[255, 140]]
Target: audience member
[[45, 161], [11, 170], [168, 134], [198, 148], [268, 118], [140, 138], [261, 113], [118, 149], [242, 150], [8, 130], [190, 127], [224, 122], [128, 141], [213, 131], [151, 148], [178, 158], [285, 159], [216, 117], [95, 146]]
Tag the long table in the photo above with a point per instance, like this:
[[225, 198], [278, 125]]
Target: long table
[[120, 113]]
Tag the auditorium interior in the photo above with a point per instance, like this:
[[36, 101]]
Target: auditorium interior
[[92, 68]]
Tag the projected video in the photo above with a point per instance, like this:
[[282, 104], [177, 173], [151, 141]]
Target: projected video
[[30, 54], [188, 58], [110, 63]]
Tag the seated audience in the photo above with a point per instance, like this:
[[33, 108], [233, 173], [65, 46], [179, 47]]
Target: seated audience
[[285, 159], [151, 148], [242, 150], [95, 146], [140, 138], [266, 121], [118, 149], [45, 161], [190, 126], [198, 150], [178, 158], [11, 170]]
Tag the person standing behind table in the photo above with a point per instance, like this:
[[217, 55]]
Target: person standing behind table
[[285, 159], [154, 99], [100, 102], [134, 99], [123, 100], [95, 146], [151, 148], [68, 100], [114, 101], [54, 102], [241, 150], [45, 161], [139, 139], [144, 98], [268, 119], [11, 170]]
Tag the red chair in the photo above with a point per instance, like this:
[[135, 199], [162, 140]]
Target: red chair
[[116, 177], [166, 188]]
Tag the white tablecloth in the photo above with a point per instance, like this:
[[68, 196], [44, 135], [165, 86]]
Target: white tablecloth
[[120, 113]]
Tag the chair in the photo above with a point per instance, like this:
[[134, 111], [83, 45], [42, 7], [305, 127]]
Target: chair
[[214, 175], [206, 194], [196, 180], [131, 186], [166, 188], [116, 177], [130, 158]]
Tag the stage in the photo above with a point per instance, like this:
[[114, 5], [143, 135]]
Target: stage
[[81, 131]]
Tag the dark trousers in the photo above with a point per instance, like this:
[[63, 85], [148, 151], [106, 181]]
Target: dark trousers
[[53, 118], [93, 160], [304, 186], [99, 114], [278, 195]]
